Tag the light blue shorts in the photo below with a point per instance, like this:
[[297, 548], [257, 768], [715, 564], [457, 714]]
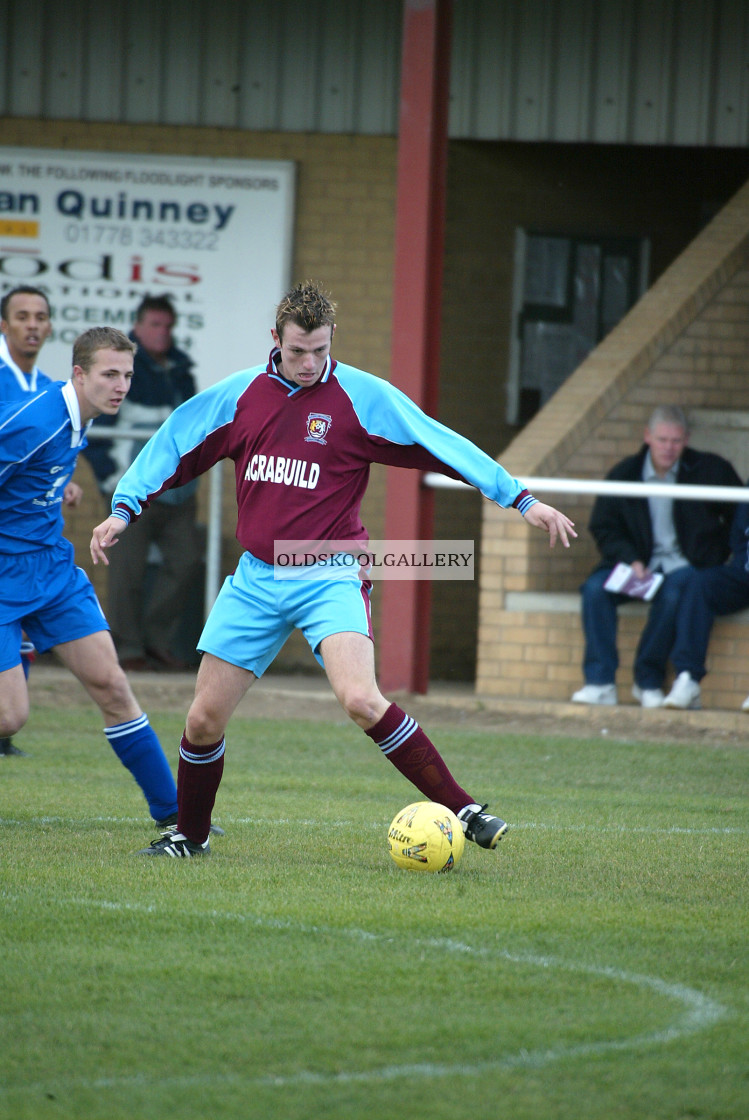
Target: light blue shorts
[[46, 595], [254, 614]]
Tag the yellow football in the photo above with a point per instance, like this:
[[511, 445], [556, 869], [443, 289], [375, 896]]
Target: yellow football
[[426, 836]]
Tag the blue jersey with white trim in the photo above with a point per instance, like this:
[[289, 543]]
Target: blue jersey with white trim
[[15, 384], [38, 452], [302, 453]]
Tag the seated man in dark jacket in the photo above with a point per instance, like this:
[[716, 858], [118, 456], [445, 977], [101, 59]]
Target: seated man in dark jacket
[[652, 535], [709, 592]]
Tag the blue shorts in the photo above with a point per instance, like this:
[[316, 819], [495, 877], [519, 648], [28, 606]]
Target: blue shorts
[[46, 595], [254, 614]]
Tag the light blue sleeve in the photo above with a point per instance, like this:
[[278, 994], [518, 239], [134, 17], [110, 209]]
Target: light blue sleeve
[[189, 442], [387, 413]]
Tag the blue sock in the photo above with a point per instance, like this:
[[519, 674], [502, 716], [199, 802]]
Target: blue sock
[[137, 747]]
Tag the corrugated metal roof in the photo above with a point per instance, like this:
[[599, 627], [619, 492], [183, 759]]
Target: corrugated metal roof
[[617, 71], [608, 71]]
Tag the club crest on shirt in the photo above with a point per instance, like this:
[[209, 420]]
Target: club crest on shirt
[[318, 426]]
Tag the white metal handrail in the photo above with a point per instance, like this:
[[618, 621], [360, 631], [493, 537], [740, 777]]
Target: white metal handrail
[[437, 481], [686, 491]]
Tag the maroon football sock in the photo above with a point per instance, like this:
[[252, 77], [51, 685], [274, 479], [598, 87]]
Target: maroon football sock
[[198, 778], [410, 750]]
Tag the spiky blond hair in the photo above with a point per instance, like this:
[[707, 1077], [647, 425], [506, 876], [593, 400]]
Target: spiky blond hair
[[308, 306]]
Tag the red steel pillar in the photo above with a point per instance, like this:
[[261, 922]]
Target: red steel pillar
[[403, 640]]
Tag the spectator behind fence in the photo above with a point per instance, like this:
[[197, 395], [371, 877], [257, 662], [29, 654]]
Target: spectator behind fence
[[708, 592], [144, 619], [652, 535], [25, 325]]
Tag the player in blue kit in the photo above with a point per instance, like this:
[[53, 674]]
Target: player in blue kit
[[302, 431], [41, 589], [25, 325]]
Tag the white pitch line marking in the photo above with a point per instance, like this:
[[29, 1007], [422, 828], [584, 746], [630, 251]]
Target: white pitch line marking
[[699, 1012], [269, 822]]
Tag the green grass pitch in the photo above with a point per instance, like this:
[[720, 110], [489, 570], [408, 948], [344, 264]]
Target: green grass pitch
[[594, 967]]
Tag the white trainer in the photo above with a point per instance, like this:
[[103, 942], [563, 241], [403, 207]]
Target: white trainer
[[745, 705], [648, 697], [685, 693], [596, 694]]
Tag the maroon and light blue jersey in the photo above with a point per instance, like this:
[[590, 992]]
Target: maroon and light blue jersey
[[302, 453]]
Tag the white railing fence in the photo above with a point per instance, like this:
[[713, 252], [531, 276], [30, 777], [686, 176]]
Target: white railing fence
[[601, 486], [437, 481]]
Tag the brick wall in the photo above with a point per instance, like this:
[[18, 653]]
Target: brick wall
[[662, 194], [685, 342], [538, 655]]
